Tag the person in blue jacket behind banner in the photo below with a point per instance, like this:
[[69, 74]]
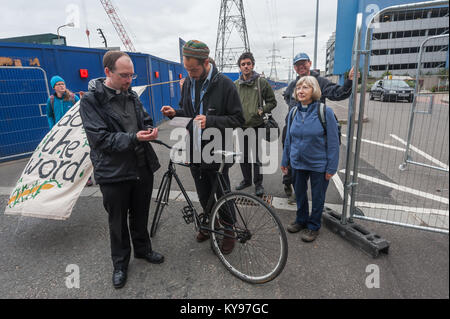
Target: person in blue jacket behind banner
[[60, 102], [312, 152]]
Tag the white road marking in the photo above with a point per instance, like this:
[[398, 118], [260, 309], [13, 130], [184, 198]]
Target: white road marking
[[381, 144], [418, 151], [339, 186], [418, 210], [402, 188]]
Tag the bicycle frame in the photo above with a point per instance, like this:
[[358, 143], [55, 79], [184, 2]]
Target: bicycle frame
[[166, 183]]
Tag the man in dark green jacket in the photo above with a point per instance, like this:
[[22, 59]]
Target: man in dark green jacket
[[257, 98]]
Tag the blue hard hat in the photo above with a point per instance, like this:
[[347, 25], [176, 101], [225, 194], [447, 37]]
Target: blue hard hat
[[300, 57]]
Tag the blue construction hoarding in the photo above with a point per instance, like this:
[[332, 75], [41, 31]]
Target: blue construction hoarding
[[25, 72]]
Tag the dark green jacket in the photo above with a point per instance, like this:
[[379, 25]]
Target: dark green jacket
[[248, 93]]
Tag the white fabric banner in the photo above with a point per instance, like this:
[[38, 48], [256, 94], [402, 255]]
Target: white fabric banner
[[57, 171]]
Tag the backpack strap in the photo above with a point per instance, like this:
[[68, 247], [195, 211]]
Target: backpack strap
[[322, 117], [52, 105], [72, 97], [294, 111]]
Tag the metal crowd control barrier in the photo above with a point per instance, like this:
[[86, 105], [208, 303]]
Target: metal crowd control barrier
[[23, 98], [377, 190], [431, 98]]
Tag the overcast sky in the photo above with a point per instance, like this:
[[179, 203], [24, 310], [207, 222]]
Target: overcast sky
[[154, 26]]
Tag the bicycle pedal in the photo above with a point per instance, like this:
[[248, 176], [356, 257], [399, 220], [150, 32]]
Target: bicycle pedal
[[188, 214]]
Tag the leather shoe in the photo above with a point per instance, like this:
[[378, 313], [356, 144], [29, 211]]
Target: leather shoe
[[243, 185], [201, 237], [153, 257], [119, 278], [227, 242], [295, 228]]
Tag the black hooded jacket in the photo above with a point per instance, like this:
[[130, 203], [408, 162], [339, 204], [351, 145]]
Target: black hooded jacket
[[113, 150]]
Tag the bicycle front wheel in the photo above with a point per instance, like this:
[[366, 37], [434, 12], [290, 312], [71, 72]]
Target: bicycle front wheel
[[260, 245]]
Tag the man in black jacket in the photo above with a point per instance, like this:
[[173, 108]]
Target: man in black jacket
[[119, 130], [330, 90], [211, 99]]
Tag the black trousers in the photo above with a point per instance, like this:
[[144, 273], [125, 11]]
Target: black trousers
[[287, 179], [247, 165], [128, 200], [204, 182]]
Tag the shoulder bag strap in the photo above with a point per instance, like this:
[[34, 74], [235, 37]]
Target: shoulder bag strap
[[260, 105]]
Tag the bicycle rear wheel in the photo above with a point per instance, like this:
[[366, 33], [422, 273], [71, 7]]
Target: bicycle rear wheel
[[260, 250]]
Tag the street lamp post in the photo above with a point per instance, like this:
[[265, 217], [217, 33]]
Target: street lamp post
[[315, 35], [293, 39], [70, 24]]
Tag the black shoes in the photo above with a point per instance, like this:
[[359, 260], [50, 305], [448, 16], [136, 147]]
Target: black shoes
[[119, 278], [243, 185], [259, 190], [153, 257]]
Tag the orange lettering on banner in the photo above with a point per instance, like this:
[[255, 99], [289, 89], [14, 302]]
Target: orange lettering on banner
[[34, 62], [4, 61], [7, 61]]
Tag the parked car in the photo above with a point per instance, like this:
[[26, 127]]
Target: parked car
[[391, 90]]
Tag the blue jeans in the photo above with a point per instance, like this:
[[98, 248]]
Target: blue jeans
[[319, 187]]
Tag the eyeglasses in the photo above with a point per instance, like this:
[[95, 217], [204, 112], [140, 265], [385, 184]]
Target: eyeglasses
[[127, 76]]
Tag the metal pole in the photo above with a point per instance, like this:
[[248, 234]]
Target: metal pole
[[351, 118], [315, 36], [362, 102], [291, 73]]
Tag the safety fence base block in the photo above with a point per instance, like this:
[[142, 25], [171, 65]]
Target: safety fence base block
[[364, 239]]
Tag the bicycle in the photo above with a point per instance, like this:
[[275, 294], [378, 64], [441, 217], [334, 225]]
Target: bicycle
[[261, 248]]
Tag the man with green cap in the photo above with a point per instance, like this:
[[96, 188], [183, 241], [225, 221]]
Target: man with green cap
[[210, 99]]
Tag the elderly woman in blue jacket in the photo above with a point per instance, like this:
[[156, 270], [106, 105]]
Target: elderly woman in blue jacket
[[313, 154]]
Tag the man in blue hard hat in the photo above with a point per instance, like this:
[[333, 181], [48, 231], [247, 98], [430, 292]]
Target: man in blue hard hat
[[302, 65]]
